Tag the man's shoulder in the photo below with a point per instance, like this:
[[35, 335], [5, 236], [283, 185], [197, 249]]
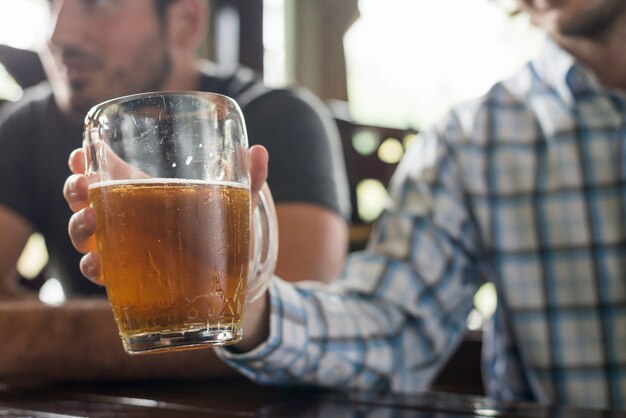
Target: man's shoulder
[[32, 104], [246, 86], [510, 93], [507, 105], [242, 83]]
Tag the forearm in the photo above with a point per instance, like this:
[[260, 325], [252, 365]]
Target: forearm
[[362, 332], [79, 341], [313, 242]]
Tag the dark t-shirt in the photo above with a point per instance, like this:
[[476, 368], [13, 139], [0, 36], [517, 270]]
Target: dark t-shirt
[[306, 162]]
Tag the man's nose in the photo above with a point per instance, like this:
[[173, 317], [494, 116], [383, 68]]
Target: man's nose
[[68, 23]]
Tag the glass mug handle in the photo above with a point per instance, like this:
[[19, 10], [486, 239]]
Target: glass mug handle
[[264, 245]]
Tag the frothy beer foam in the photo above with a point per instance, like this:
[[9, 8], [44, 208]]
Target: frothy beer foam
[[167, 181]]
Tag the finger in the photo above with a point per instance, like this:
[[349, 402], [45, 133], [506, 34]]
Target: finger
[[81, 229], [258, 167], [258, 171], [77, 161], [90, 268], [75, 191], [116, 166]]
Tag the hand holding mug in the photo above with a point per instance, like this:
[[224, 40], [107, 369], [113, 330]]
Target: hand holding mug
[[82, 224]]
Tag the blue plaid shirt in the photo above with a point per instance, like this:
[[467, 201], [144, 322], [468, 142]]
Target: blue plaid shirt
[[525, 188]]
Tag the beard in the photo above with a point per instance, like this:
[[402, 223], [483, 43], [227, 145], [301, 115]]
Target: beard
[[594, 21], [147, 70]]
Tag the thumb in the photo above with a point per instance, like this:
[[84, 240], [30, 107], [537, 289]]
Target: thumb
[[258, 167]]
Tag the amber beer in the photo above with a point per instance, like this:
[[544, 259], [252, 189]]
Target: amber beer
[[174, 255]]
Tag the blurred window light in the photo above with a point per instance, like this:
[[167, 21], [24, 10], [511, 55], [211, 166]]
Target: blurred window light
[[365, 142], [23, 23], [475, 320], [408, 140], [52, 292], [409, 61], [274, 43], [34, 257], [486, 300], [391, 151], [371, 197], [9, 89], [23, 26], [485, 303]]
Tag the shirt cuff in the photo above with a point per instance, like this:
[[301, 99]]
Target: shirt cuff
[[287, 317]]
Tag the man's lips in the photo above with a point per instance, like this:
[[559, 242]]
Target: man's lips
[[79, 69]]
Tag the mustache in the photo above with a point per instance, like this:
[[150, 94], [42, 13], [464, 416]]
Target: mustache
[[70, 54]]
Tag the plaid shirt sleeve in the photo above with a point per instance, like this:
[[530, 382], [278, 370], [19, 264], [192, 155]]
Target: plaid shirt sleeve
[[400, 310]]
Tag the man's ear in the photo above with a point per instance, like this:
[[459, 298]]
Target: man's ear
[[187, 20]]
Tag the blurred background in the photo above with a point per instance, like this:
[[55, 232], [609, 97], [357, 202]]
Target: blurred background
[[386, 68], [385, 63]]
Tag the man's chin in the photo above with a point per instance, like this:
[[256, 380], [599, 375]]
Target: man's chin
[[74, 99], [81, 103], [77, 108], [81, 98]]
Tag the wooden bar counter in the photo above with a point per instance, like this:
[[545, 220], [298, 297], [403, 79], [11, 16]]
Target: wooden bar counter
[[241, 398]]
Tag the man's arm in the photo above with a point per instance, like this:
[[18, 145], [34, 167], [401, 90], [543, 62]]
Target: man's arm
[[79, 341], [312, 242], [14, 231]]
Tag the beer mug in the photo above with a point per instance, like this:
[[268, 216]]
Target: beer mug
[[169, 179]]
